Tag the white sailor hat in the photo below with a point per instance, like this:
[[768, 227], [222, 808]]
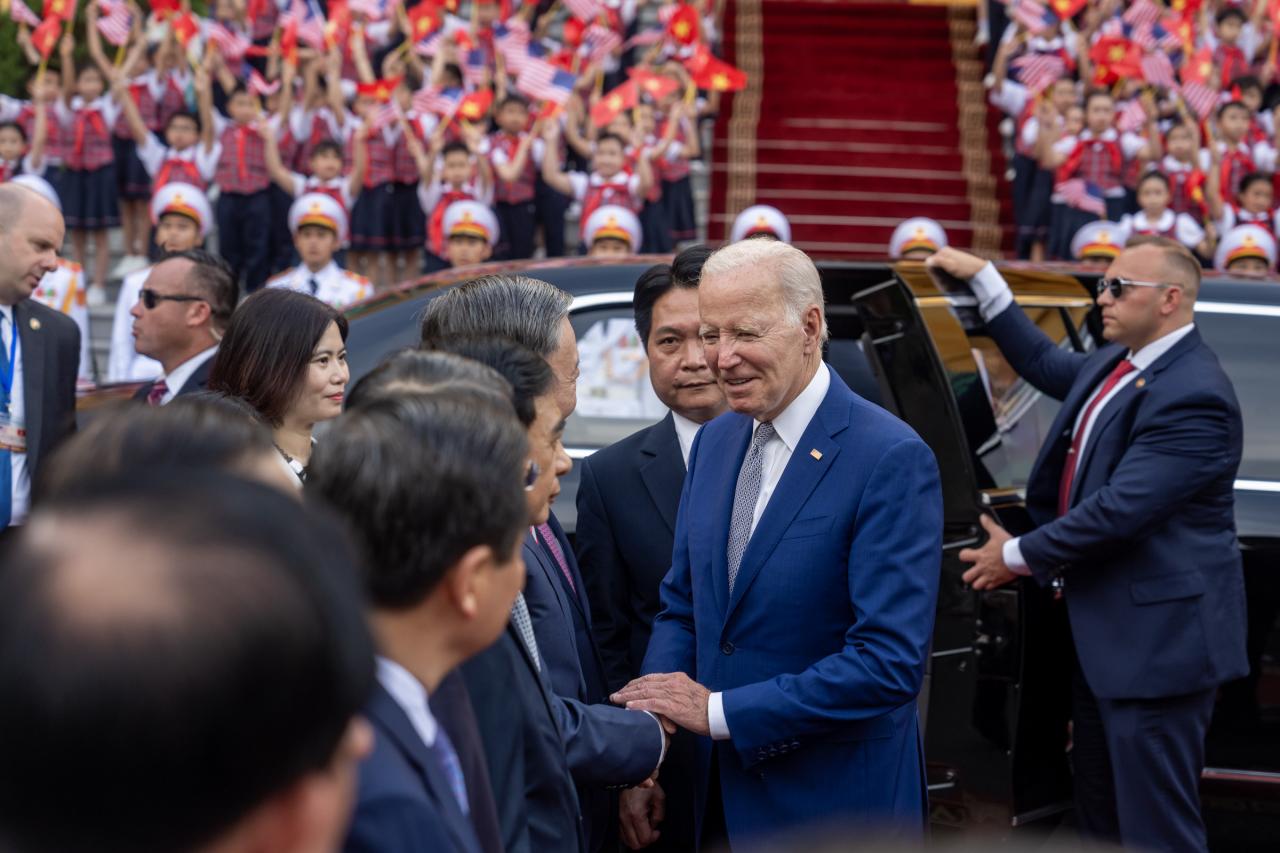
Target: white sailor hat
[[186, 200], [613, 222], [918, 232], [470, 219], [1101, 240], [40, 186], [760, 219], [1245, 241], [318, 209]]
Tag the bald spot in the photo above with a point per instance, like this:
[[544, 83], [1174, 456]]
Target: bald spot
[[14, 199]]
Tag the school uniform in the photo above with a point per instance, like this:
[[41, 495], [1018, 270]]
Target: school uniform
[[514, 201], [410, 222], [434, 200], [244, 204], [594, 191], [672, 170], [132, 180], [551, 207], [1186, 187], [23, 114], [1237, 161], [1098, 160], [653, 215], [196, 165], [63, 290], [373, 216], [282, 252], [332, 285], [1175, 226], [1234, 215], [88, 189], [309, 128]]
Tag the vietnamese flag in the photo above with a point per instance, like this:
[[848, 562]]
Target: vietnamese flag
[[475, 106], [379, 90], [289, 41], [162, 9], [683, 26], [614, 103], [573, 30], [63, 10], [1185, 8], [1067, 9], [656, 86], [338, 25], [45, 37], [185, 28], [1198, 68], [1115, 58], [424, 19], [714, 74]]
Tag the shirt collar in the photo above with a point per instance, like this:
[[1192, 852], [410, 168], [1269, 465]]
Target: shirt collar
[[1147, 356], [686, 432], [321, 274], [794, 420], [410, 695], [178, 377]]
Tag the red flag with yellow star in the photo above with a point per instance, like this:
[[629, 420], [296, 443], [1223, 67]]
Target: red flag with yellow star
[[63, 10], [289, 41], [45, 37], [424, 19], [713, 74], [379, 90], [475, 106], [683, 26], [1115, 58], [1198, 68], [615, 102], [656, 86], [338, 26], [1185, 8], [185, 28], [1067, 9]]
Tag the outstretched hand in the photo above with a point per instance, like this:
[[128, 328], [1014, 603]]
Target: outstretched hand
[[673, 696]]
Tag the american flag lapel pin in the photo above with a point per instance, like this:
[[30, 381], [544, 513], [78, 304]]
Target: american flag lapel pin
[[1141, 381], [816, 453]]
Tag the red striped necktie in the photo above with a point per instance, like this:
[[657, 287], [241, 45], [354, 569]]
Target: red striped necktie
[[1121, 370]]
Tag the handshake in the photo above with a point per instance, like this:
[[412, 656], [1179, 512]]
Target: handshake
[[677, 701]]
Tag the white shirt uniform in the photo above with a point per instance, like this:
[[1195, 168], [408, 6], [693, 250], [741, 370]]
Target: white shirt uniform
[[124, 364], [64, 290], [19, 478], [176, 378], [1184, 228], [153, 154], [333, 284]]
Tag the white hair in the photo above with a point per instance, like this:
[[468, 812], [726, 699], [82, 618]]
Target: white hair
[[792, 269]]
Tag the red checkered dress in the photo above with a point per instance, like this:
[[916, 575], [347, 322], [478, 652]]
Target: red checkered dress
[[523, 188], [381, 160], [90, 147], [402, 162], [666, 169], [242, 168], [55, 141], [1236, 163], [172, 100], [1098, 161], [141, 94]]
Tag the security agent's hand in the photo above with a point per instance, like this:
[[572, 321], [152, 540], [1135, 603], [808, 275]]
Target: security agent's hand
[[960, 264], [640, 811], [989, 570], [673, 695]]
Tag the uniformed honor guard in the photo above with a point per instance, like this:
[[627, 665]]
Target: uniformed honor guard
[[761, 220], [916, 239], [470, 232], [1246, 250], [319, 227], [1099, 242], [613, 231]]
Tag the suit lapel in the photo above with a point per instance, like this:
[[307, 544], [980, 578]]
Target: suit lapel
[[575, 593], [662, 469], [801, 476], [721, 515], [31, 337], [198, 379]]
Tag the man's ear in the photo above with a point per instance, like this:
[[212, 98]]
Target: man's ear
[[199, 314], [464, 579]]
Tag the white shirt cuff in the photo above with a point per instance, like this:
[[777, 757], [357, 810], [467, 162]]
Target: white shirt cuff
[[1012, 553], [716, 722], [992, 291], [662, 738]]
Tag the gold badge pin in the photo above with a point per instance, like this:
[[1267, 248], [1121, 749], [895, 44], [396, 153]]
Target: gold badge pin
[[815, 453], [35, 324], [1141, 382]]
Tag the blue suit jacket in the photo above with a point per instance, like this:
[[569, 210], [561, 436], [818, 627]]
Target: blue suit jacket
[[1153, 580], [404, 801], [821, 650]]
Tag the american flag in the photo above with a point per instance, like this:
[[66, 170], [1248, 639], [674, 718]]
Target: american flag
[[1158, 69], [431, 99], [388, 115], [1082, 195], [1034, 15], [511, 39], [1131, 117], [583, 10], [600, 42], [1199, 98], [310, 22], [1038, 71], [232, 45], [20, 12], [373, 10], [474, 66], [1142, 12], [644, 39], [115, 24], [429, 45], [1115, 27], [542, 81], [259, 85]]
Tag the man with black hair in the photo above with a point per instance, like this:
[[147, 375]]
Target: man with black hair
[[627, 501], [442, 568], [228, 601]]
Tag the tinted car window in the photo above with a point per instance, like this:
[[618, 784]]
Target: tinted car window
[[1239, 340], [615, 397]]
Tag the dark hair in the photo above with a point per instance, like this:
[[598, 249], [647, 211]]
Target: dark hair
[[187, 646], [327, 146], [453, 148], [1252, 178], [1097, 93], [605, 137], [269, 342], [413, 370], [453, 71], [513, 100], [685, 270], [194, 432], [527, 373], [421, 479], [14, 126], [525, 310], [213, 279], [1245, 81], [239, 88], [1153, 176], [184, 114], [1232, 105], [1230, 12], [686, 267]]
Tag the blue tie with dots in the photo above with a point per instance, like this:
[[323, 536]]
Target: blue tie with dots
[[745, 495], [6, 460]]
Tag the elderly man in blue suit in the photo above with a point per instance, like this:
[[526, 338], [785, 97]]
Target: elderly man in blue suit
[[1133, 500], [798, 610]]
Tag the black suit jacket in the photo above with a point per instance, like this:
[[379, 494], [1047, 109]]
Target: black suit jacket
[[197, 381], [50, 344], [451, 706]]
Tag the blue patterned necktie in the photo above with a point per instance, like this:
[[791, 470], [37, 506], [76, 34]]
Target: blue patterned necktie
[[449, 762], [524, 626], [6, 462], [745, 495]]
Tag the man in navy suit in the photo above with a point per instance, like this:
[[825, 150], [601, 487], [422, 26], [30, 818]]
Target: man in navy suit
[[1133, 500], [797, 615], [442, 569], [628, 497]]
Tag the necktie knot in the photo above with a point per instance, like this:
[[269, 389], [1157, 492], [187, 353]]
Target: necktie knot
[[156, 395], [764, 432]]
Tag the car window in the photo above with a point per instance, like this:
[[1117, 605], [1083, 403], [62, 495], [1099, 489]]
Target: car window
[[1240, 340], [615, 397]]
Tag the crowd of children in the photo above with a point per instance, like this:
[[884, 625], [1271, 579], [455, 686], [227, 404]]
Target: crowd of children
[[1148, 117]]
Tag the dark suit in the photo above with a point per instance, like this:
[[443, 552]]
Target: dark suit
[[404, 801], [50, 344], [451, 706], [628, 498], [1152, 571], [197, 381]]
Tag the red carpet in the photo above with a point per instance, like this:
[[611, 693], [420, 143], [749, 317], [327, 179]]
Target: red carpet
[[858, 124]]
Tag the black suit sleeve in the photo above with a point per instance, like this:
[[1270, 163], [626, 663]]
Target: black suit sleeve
[[605, 575], [68, 370]]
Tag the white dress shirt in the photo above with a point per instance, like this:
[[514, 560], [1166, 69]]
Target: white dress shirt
[[178, 377], [411, 696], [788, 429], [993, 297], [19, 479], [686, 432]]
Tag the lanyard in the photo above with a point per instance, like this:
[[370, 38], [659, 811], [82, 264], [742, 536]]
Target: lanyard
[[6, 378]]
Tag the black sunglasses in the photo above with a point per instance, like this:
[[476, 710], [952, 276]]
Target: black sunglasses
[[150, 299], [531, 475], [1117, 286]]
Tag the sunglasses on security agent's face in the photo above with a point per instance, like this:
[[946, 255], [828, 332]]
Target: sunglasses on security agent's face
[[1119, 286], [150, 298]]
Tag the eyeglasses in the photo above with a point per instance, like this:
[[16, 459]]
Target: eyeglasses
[[1117, 286], [531, 475], [150, 299]]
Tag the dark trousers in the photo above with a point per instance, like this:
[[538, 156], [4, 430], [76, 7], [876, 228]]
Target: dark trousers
[[714, 832], [1137, 766], [518, 223], [244, 235], [551, 207]]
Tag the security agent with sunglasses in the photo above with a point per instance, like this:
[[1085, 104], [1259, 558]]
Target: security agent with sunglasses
[[1133, 500], [181, 314]]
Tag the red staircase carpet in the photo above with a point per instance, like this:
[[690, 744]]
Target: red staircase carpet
[[852, 122]]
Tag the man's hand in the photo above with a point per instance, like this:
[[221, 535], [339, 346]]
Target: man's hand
[[960, 264], [640, 811], [672, 695], [989, 570]]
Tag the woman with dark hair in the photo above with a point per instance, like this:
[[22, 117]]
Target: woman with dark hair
[[285, 354]]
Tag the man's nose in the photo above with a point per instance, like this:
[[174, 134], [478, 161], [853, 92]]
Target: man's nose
[[694, 357], [726, 356]]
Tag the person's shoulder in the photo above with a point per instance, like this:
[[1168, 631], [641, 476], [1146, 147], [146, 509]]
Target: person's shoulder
[[873, 428], [42, 316], [281, 279], [355, 277], [625, 450]]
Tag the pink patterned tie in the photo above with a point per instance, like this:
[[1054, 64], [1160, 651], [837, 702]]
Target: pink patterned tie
[[156, 395], [553, 545]]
